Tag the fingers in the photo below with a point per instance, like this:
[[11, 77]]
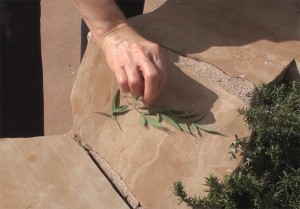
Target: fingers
[[159, 64], [122, 79], [147, 79], [134, 80], [151, 76], [138, 68]]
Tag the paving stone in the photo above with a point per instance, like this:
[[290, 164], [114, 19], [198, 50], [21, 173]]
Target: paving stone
[[52, 172], [252, 38], [60, 36], [151, 5], [150, 160]]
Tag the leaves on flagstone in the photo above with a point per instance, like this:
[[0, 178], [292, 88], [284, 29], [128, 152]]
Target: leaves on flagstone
[[156, 117]]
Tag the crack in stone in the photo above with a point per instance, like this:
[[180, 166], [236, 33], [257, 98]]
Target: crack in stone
[[112, 176], [151, 160]]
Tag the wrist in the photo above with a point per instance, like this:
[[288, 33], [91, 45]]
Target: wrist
[[108, 30], [114, 34]]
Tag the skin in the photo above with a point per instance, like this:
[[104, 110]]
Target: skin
[[136, 62]]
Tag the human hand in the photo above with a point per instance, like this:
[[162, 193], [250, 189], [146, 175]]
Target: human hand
[[136, 62]]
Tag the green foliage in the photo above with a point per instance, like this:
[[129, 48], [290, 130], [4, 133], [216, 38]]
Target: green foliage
[[269, 176], [185, 121], [116, 109]]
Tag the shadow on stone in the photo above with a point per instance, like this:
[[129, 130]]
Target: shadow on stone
[[252, 39], [207, 24], [182, 92]]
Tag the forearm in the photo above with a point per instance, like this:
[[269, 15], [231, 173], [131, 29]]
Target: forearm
[[136, 62], [101, 16]]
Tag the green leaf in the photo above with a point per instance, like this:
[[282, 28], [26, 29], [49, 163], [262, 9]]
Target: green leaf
[[112, 117], [143, 120], [154, 123], [209, 130], [187, 114], [118, 124], [177, 113], [105, 114], [120, 109], [159, 118], [194, 128], [170, 121], [116, 101], [184, 127]]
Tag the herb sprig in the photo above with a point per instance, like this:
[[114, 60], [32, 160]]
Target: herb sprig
[[185, 121]]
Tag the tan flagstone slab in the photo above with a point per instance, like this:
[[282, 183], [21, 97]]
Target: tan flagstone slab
[[151, 5], [150, 161], [252, 38], [52, 172]]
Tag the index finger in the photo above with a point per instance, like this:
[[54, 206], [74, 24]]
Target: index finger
[[151, 76]]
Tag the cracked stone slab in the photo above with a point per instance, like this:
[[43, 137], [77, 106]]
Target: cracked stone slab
[[251, 38], [52, 172], [150, 161]]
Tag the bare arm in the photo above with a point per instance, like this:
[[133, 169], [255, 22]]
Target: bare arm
[[136, 62]]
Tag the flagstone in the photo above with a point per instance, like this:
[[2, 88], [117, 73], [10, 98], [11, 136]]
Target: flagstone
[[253, 38], [151, 160], [52, 172]]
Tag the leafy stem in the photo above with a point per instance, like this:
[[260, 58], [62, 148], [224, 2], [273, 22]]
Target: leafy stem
[[185, 121]]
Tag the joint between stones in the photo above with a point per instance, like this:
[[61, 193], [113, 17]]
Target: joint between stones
[[111, 175]]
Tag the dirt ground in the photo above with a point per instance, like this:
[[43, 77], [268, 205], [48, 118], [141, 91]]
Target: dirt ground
[[60, 23]]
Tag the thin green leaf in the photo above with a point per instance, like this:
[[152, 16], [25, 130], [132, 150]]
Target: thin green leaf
[[159, 118], [120, 109], [118, 124], [178, 113], [199, 132], [151, 111], [105, 114], [154, 123], [194, 129], [187, 114], [116, 101], [143, 120], [112, 117], [205, 128], [184, 127], [209, 130], [170, 121]]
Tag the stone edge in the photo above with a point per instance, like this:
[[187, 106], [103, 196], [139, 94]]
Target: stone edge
[[112, 176]]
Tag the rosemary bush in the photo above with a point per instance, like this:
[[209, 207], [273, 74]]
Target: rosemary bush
[[269, 176]]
